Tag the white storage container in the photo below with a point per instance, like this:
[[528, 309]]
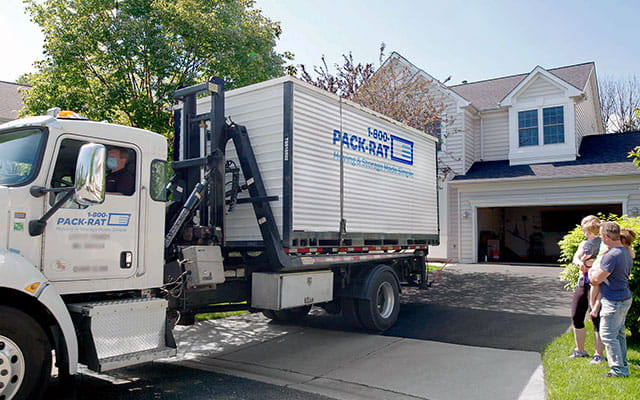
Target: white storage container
[[388, 193]]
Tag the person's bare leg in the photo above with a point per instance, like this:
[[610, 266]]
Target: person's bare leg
[[580, 336]]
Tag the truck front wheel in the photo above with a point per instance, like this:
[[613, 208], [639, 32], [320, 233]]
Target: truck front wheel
[[379, 311], [25, 356]]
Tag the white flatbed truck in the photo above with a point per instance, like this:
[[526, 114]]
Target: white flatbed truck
[[301, 199]]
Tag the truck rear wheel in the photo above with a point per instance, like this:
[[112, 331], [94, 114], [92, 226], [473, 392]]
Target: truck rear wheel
[[25, 356], [380, 310]]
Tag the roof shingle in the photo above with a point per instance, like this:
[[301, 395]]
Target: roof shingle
[[487, 94], [600, 155]]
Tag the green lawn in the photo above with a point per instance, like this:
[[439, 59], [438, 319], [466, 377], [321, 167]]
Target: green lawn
[[218, 315], [568, 379], [433, 267], [221, 314]]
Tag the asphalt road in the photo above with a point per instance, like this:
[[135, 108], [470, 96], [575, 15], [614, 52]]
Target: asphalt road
[[173, 382], [514, 308]]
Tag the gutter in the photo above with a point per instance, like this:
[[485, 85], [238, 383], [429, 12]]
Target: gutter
[[541, 178]]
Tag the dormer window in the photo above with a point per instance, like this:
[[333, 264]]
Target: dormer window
[[552, 126], [553, 120], [528, 128]]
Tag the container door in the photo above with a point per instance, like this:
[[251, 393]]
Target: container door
[[97, 242]]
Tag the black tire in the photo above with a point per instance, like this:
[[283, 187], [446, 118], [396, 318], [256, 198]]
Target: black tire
[[381, 308], [332, 307], [350, 312], [269, 314], [25, 355], [288, 315]]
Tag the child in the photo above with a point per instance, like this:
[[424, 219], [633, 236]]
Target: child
[[588, 249], [583, 258], [627, 237]]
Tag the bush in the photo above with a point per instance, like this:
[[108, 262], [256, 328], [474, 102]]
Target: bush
[[569, 245]]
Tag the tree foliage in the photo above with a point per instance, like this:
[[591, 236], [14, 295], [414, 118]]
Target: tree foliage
[[394, 90], [568, 247], [619, 101], [120, 60]]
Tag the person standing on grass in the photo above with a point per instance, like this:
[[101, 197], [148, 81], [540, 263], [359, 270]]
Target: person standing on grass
[[627, 237], [615, 268], [584, 258]]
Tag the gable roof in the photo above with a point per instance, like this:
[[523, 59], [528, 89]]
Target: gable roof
[[10, 100], [487, 94], [395, 56], [600, 155]]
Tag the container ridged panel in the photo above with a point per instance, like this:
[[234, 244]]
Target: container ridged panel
[[376, 202], [383, 194], [316, 173], [260, 111]]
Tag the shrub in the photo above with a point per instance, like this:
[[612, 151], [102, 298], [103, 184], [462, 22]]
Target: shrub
[[569, 245]]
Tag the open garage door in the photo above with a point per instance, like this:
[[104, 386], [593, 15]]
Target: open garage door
[[530, 234]]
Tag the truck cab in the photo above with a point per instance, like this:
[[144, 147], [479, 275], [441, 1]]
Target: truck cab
[[57, 256], [107, 246]]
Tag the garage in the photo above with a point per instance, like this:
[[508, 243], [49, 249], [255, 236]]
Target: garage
[[529, 234]]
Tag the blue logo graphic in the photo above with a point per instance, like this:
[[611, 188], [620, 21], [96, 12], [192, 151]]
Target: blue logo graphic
[[116, 219], [401, 150]]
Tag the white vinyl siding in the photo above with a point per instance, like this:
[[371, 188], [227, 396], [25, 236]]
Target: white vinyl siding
[[495, 136], [471, 143], [578, 191], [586, 115], [452, 155], [540, 88]]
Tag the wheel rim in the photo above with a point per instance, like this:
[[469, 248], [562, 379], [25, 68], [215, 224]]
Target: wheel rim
[[386, 300], [11, 368]]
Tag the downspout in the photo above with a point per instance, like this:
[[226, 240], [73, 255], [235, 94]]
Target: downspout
[[481, 137], [459, 225], [465, 131]]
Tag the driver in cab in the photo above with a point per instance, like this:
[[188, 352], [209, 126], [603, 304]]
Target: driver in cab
[[119, 180]]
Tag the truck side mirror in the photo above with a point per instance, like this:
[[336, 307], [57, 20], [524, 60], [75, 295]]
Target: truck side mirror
[[90, 174]]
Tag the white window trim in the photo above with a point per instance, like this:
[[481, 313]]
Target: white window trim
[[542, 153], [540, 126]]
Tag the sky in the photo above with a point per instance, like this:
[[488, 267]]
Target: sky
[[467, 40]]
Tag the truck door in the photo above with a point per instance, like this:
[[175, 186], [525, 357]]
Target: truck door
[[97, 242]]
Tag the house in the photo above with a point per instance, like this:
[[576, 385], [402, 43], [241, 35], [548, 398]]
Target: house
[[526, 157], [10, 101]]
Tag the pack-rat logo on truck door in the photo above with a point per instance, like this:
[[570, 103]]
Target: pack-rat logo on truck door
[[94, 219]]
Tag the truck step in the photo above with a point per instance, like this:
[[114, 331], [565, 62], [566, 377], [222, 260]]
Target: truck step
[[113, 334], [125, 360]]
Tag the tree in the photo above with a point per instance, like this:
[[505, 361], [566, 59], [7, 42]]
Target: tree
[[394, 90], [120, 61], [619, 100]]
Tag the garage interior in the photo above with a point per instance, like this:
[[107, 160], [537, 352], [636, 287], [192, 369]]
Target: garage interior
[[530, 234]]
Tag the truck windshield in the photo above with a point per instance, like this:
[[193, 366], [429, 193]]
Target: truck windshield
[[19, 155]]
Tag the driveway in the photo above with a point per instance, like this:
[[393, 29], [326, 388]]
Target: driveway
[[476, 333]]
